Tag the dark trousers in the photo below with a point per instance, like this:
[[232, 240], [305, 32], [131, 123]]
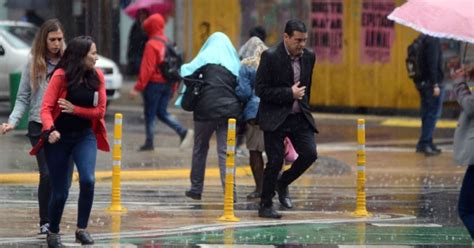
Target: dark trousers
[[430, 110], [82, 146], [44, 186], [466, 200], [202, 136], [299, 130]]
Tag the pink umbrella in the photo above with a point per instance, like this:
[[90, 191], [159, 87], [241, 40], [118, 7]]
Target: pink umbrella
[[453, 19], [163, 7]]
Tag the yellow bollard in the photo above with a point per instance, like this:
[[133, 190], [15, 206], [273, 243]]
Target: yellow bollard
[[115, 205], [229, 174], [361, 210]]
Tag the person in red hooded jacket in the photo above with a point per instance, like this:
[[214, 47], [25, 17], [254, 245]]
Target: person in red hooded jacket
[[156, 91]]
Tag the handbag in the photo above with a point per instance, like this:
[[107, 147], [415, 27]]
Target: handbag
[[290, 153], [192, 93]]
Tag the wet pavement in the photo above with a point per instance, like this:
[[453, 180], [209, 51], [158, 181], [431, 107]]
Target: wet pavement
[[412, 199]]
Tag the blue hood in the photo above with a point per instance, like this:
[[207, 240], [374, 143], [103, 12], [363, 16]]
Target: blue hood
[[217, 49]]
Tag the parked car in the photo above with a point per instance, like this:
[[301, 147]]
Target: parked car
[[16, 38]]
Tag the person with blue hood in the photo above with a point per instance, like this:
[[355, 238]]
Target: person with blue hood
[[217, 64], [156, 90]]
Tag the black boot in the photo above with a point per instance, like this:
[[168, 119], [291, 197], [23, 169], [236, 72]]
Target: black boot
[[192, 195], [268, 212]]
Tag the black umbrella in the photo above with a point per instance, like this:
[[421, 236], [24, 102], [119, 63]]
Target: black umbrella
[[27, 4]]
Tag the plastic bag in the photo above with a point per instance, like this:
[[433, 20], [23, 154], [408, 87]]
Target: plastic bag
[[290, 153]]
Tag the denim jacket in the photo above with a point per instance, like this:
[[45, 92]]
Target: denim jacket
[[246, 92]]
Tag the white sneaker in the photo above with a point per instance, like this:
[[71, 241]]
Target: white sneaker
[[43, 231], [188, 139]]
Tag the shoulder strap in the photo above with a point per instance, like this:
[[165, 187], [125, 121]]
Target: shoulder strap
[[159, 39]]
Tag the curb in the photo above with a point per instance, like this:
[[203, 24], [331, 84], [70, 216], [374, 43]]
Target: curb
[[125, 175]]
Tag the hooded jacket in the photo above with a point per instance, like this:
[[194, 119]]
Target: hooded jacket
[[153, 54]]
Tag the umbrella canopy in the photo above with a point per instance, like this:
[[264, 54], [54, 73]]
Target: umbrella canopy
[[453, 19], [163, 7]]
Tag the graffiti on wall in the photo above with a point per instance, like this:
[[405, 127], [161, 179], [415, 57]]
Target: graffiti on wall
[[271, 15], [377, 32], [326, 26]]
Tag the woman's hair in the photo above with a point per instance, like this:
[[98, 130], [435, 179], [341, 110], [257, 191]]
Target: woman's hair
[[72, 62], [39, 50], [256, 48]]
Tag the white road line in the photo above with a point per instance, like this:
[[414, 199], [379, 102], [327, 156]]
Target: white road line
[[217, 227], [406, 225]]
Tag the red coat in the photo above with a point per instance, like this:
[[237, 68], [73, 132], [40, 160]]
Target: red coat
[[50, 110], [153, 54]]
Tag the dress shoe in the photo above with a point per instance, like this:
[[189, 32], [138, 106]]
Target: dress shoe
[[284, 196], [268, 212], [428, 151], [192, 195], [83, 237], [54, 240]]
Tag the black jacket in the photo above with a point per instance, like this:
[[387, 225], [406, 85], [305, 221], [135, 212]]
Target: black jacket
[[432, 61], [273, 86], [217, 99]]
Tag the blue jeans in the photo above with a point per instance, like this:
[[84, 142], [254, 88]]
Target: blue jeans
[[466, 200], [82, 146], [156, 97], [430, 111]]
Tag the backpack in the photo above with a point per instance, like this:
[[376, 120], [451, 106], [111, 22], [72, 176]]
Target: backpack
[[171, 63], [414, 60]]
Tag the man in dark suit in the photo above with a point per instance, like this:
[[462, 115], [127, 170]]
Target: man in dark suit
[[283, 84]]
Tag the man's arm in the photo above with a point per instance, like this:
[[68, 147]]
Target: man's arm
[[432, 56], [313, 61]]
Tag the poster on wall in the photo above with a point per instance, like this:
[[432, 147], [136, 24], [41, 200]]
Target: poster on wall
[[377, 32], [326, 27]]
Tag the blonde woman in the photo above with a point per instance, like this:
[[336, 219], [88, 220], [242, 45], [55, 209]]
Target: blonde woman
[[48, 47], [246, 93]]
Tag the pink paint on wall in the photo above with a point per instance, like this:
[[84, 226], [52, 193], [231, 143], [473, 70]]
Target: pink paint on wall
[[326, 26], [377, 32]]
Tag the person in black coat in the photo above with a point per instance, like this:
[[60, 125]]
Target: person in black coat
[[283, 84], [217, 66], [136, 43], [431, 93]]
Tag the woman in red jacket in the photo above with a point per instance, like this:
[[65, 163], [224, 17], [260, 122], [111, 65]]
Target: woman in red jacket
[[73, 122]]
